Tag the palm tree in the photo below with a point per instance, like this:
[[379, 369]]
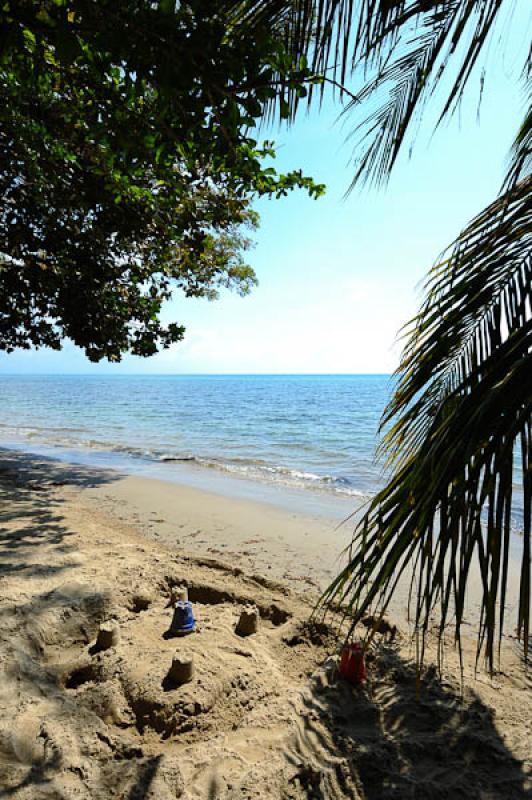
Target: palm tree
[[459, 425]]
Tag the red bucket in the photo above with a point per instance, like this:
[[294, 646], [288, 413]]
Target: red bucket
[[352, 664]]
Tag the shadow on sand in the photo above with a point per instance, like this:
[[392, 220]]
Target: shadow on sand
[[39, 747], [403, 737], [25, 499]]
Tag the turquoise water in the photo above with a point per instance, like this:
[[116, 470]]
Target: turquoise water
[[314, 433]]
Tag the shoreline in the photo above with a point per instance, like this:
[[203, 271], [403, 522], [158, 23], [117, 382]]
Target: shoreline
[[332, 505], [303, 550]]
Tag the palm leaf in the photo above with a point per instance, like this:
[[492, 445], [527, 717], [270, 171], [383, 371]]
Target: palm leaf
[[521, 154], [408, 49], [461, 412]]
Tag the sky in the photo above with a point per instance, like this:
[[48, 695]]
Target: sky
[[339, 276]]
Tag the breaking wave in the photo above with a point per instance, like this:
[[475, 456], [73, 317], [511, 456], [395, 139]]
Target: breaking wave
[[253, 469]]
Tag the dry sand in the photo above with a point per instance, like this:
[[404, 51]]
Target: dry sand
[[264, 716], [302, 550]]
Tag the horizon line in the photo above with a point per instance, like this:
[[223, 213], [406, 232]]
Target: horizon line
[[195, 374]]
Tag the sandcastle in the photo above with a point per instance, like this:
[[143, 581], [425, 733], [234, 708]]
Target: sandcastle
[[108, 635], [182, 668], [248, 622]]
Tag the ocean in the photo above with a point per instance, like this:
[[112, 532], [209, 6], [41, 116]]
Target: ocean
[[304, 433], [306, 442]]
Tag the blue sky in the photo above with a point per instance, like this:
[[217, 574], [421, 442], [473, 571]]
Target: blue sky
[[339, 277]]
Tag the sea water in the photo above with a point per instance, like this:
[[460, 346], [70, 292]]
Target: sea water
[[316, 433]]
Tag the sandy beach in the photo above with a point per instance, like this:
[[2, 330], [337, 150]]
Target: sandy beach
[[265, 400], [265, 716], [303, 550]]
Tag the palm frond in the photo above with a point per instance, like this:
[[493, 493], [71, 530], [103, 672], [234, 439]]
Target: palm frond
[[461, 413], [408, 49], [462, 410], [521, 154], [402, 82]]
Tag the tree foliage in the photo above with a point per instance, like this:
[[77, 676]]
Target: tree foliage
[[128, 161]]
